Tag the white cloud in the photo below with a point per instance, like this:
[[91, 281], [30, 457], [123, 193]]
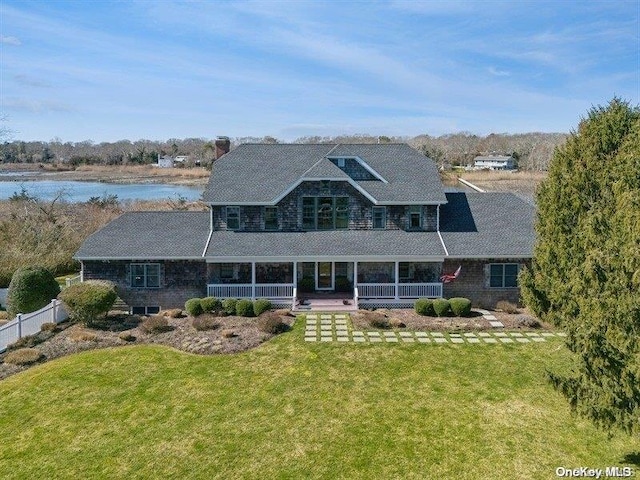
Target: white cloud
[[498, 73], [8, 40]]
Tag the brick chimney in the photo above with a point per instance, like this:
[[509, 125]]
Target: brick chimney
[[223, 144]]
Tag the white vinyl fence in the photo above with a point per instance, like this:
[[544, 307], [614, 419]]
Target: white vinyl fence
[[29, 323]]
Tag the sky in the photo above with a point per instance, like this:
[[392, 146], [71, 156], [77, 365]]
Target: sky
[[105, 71]]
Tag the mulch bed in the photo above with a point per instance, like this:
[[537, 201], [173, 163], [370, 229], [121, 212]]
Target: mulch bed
[[180, 334]]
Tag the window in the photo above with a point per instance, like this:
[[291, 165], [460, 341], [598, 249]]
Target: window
[[270, 218], [145, 310], [503, 275], [145, 275], [233, 218], [415, 216], [341, 162], [379, 217], [325, 213]]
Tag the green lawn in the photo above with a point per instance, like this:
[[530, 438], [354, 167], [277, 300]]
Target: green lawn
[[290, 409]]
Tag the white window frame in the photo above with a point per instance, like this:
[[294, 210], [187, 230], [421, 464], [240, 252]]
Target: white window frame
[[229, 210], [415, 209], [384, 217], [503, 276], [341, 162], [145, 275]]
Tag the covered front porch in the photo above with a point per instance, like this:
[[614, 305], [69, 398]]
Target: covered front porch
[[366, 282]]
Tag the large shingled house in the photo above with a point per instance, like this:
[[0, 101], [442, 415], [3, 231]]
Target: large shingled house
[[371, 223]]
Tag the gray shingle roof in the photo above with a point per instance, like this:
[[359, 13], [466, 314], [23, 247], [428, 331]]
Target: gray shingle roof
[[487, 224], [149, 235], [351, 243], [258, 173]]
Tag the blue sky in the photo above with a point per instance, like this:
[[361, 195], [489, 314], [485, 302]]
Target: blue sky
[[161, 69]]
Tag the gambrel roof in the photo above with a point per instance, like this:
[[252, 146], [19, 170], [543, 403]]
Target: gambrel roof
[[261, 174]]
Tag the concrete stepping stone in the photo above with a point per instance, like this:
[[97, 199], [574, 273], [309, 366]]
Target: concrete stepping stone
[[538, 339], [483, 312], [516, 334], [440, 340], [343, 339], [561, 334], [424, 340], [506, 340], [496, 324], [455, 335], [457, 340], [422, 334], [324, 315], [484, 334], [312, 317], [408, 339], [490, 340], [389, 334], [500, 334], [532, 334], [375, 339], [310, 339], [359, 339], [373, 334], [325, 327], [523, 340], [548, 334], [342, 334], [489, 317], [406, 334], [473, 340], [357, 334], [391, 339], [471, 334], [326, 339], [436, 334]]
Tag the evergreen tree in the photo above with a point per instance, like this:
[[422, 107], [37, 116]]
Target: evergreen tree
[[585, 274]]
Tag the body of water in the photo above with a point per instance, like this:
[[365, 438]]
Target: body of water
[[77, 191]]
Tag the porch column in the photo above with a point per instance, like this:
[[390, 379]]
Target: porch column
[[355, 274], [295, 276], [397, 275], [253, 280]]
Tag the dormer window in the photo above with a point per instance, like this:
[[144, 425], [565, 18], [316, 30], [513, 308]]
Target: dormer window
[[415, 216], [341, 162]]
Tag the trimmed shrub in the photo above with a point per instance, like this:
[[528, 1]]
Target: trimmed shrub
[[244, 308], [127, 336], [507, 307], [527, 321], [31, 288], [424, 306], [155, 324], [229, 305], [193, 306], [461, 307], [261, 305], [397, 323], [88, 301], [24, 356], [307, 285], [272, 323], [228, 333], [26, 342], [205, 322], [211, 304], [377, 320], [48, 327], [83, 336], [343, 284], [4, 315], [441, 307], [173, 313]]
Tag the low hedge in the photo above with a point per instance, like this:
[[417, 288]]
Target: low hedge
[[261, 305], [24, 356], [229, 306], [211, 304], [461, 307], [194, 307], [424, 306], [441, 307], [272, 323], [244, 308], [88, 301]]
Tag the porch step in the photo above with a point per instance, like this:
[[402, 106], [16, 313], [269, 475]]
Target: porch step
[[326, 305]]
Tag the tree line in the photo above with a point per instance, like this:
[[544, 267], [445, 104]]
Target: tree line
[[533, 151]]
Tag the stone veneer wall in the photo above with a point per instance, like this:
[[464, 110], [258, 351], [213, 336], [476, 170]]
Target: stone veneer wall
[[179, 281], [360, 211], [473, 282]]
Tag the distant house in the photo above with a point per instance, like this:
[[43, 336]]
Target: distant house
[[372, 223], [495, 162], [181, 158], [165, 162]]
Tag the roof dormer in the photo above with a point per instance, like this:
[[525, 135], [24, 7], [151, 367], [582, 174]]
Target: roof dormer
[[356, 168]]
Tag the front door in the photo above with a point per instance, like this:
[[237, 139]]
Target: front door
[[324, 280]]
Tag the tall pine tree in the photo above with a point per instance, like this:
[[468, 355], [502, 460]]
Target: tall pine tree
[[585, 274]]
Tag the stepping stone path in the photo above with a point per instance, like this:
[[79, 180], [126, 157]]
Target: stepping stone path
[[487, 315], [338, 328]]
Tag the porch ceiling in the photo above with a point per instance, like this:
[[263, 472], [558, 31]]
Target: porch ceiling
[[335, 243]]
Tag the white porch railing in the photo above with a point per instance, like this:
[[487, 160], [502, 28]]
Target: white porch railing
[[376, 290], [295, 296], [419, 290], [262, 290], [73, 280], [30, 323], [405, 290]]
